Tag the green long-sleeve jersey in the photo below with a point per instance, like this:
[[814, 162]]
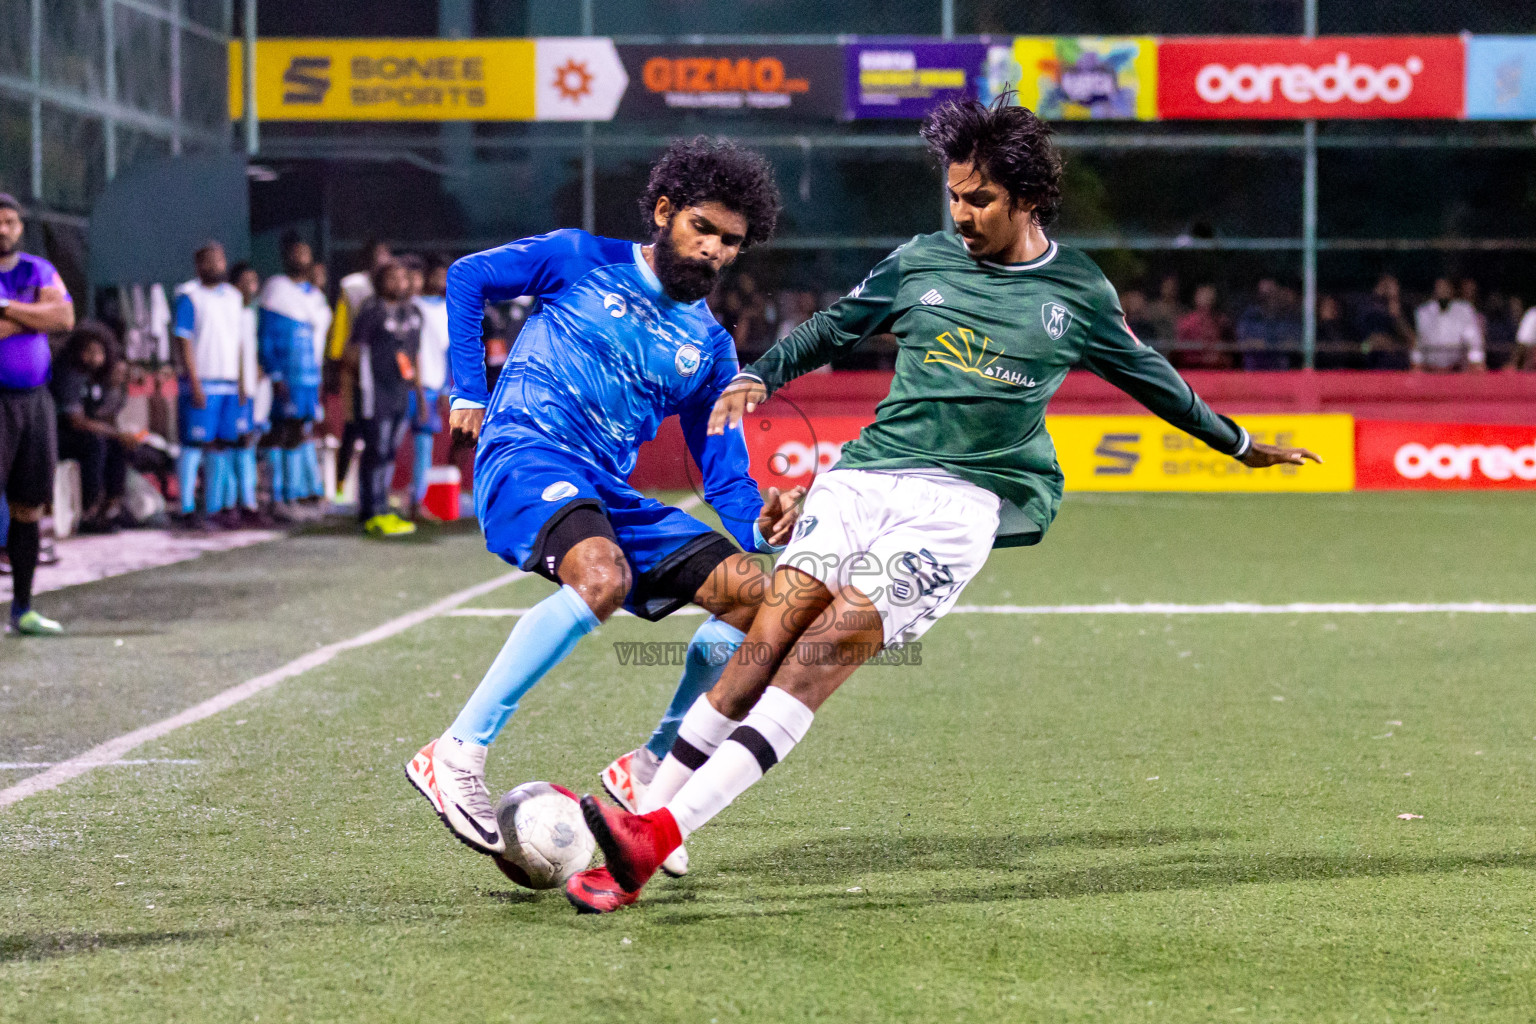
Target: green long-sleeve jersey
[[982, 347]]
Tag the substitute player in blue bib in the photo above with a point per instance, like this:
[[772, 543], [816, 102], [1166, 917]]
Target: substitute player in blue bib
[[621, 338]]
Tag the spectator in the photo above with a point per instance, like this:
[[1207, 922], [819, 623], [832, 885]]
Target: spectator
[[1525, 337], [355, 289], [90, 388], [293, 316], [256, 411], [1165, 311], [432, 369], [1202, 334], [1338, 347], [1133, 302], [753, 327], [1449, 335], [1269, 332], [795, 308], [1501, 318], [320, 277], [385, 343], [1387, 337]]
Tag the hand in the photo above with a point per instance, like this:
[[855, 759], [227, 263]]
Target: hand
[[780, 511], [1260, 456], [465, 424], [735, 402], [131, 439], [199, 397]]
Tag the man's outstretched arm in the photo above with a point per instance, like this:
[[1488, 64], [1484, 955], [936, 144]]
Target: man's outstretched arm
[[1114, 353]]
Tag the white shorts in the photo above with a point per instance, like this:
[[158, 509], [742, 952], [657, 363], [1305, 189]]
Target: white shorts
[[908, 541]]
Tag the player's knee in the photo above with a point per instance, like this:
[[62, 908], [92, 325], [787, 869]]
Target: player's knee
[[603, 581], [734, 590]]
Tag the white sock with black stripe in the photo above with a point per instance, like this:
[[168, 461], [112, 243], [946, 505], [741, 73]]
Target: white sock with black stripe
[[699, 735], [777, 722]]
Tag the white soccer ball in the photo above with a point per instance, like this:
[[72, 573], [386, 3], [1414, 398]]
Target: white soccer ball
[[547, 839]]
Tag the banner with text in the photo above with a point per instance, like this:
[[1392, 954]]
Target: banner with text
[[1397, 455], [1142, 453], [906, 78], [1083, 78], [1501, 77], [788, 80], [1259, 77], [552, 79]]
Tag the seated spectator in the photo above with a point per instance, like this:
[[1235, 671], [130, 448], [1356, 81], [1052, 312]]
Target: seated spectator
[[1164, 311], [1525, 339], [1133, 302], [1450, 336], [1338, 347], [90, 387], [1501, 318], [1387, 337], [795, 308], [1203, 334], [1269, 332]]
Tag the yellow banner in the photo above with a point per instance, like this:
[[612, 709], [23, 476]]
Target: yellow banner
[[387, 79], [1142, 453], [1088, 78]]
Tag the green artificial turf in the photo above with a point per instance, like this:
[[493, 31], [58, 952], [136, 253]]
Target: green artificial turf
[[1115, 818]]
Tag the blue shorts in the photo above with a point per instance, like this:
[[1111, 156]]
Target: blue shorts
[[523, 489], [434, 423], [302, 403], [223, 418]]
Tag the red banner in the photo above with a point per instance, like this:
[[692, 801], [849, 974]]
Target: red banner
[[1255, 77], [787, 448], [1394, 455]]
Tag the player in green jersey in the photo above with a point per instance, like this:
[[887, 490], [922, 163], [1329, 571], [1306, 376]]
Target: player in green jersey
[[958, 461]]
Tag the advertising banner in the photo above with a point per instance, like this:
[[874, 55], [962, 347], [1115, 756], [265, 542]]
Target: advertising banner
[[430, 79], [786, 448], [906, 78], [1501, 77], [1080, 78], [1396, 455], [1258, 77], [1142, 453], [787, 80]]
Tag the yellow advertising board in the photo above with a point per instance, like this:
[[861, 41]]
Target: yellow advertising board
[[1142, 453], [1088, 78], [387, 79]]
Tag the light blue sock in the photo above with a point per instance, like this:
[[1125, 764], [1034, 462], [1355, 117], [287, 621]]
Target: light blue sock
[[275, 459], [187, 464], [421, 462], [293, 474], [539, 642], [214, 486], [245, 476], [712, 646], [311, 454]]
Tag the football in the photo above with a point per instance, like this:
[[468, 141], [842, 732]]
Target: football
[[547, 840]]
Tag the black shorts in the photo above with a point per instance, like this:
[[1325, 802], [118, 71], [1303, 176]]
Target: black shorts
[[29, 446], [673, 583]]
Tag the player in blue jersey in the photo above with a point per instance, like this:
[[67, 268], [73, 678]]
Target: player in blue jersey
[[620, 339], [292, 315]]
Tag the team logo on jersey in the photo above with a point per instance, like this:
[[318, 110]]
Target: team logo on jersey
[[932, 298], [687, 361], [965, 355], [615, 305], [559, 490], [1056, 319], [803, 527]]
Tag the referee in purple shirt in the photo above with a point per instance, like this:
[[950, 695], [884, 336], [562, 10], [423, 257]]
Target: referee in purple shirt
[[33, 304]]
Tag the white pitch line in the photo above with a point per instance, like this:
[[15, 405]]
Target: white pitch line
[[16, 766], [111, 751], [1228, 608]]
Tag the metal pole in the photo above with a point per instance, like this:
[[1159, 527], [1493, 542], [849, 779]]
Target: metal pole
[[1309, 217], [252, 137], [176, 9], [947, 29], [36, 60], [108, 121], [947, 18], [588, 151]]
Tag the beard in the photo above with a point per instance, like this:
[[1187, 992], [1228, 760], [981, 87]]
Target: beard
[[8, 247], [683, 278]]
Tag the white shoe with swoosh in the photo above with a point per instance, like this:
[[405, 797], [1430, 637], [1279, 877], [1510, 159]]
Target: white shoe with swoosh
[[455, 786]]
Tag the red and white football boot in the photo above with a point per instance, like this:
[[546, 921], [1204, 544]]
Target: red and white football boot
[[623, 783], [455, 787], [634, 845], [594, 891]]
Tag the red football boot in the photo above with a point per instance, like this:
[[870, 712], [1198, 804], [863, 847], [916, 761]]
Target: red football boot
[[633, 844], [594, 891]]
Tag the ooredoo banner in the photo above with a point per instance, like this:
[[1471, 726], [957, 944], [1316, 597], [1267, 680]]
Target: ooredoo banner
[[1259, 77], [1397, 455]]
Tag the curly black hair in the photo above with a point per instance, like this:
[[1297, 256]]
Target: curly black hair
[[701, 170], [1009, 143]]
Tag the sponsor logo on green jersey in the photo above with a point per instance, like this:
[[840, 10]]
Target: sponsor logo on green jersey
[[966, 356]]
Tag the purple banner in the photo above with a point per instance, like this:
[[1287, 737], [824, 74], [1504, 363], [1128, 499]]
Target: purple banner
[[907, 77]]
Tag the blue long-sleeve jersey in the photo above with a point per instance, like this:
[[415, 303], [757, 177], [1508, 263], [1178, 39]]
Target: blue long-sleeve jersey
[[285, 333], [605, 356]]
